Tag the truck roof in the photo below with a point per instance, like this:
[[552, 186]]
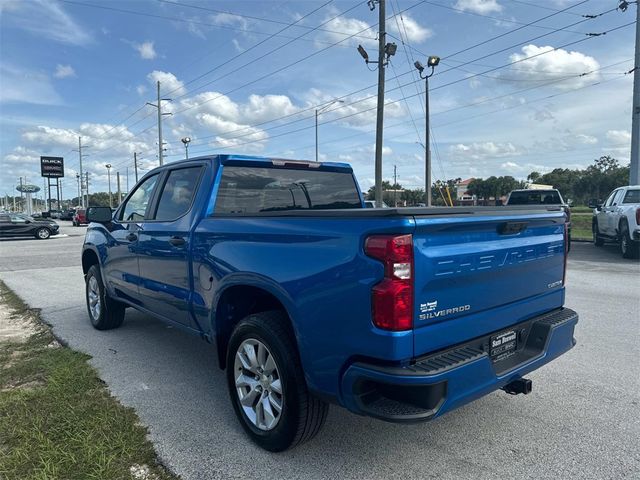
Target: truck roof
[[256, 160]]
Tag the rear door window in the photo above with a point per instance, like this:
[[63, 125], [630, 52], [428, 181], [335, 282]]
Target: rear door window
[[177, 193], [247, 190], [632, 196]]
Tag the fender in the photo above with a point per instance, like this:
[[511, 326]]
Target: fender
[[256, 280]]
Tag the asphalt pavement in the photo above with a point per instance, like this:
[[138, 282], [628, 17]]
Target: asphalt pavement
[[581, 420]]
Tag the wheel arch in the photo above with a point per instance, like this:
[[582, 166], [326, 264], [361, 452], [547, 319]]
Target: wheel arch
[[239, 300], [89, 258]]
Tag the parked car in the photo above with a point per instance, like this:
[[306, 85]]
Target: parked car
[[67, 214], [20, 225], [80, 217], [618, 220], [402, 314], [550, 196], [372, 204]]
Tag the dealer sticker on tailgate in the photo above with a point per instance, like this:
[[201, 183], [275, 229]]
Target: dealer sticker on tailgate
[[503, 345]]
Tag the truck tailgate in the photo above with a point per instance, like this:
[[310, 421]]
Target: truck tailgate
[[476, 274]]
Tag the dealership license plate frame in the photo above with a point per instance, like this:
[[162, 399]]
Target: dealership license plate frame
[[503, 345]]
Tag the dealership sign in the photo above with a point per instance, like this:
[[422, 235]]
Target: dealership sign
[[52, 167], [27, 188]]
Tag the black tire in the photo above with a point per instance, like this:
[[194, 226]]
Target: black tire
[[302, 415], [110, 313], [43, 233], [597, 239], [628, 248]]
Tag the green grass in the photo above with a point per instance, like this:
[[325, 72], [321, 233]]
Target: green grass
[[581, 226], [57, 418], [581, 209]]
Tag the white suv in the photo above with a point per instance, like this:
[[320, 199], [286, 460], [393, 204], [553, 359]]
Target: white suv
[[618, 220]]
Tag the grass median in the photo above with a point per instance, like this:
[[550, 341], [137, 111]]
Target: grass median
[[57, 418]]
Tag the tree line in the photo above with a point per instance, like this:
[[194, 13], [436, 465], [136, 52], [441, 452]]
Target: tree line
[[578, 185]]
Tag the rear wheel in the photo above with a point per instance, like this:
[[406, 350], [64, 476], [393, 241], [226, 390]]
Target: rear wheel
[[267, 386], [628, 247], [597, 239], [105, 313], [43, 233]]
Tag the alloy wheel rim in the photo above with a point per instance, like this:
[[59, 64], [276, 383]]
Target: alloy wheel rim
[[94, 298], [258, 384], [43, 233]]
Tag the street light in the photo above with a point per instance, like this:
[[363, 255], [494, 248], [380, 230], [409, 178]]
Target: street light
[[108, 165], [78, 180], [318, 111], [432, 62], [186, 141]]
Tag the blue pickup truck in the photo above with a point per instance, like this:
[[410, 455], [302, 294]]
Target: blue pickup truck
[[310, 298]]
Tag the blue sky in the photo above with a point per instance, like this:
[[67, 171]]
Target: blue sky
[[507, 98]]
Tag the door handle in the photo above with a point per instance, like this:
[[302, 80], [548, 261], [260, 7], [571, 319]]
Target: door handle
[[177, 241], [132, 237]]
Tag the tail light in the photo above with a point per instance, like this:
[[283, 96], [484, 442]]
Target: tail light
[[566, 251], [392, 298]]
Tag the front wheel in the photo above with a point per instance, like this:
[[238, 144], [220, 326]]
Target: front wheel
[[267, 386], [105, 313], [43, 233], [628, 248]]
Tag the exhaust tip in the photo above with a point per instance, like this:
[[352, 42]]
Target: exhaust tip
[[521, 385]]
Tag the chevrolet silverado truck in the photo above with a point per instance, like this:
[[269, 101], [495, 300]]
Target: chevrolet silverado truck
[[311, 299], [618, 220]]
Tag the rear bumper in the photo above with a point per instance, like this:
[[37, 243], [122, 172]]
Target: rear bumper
[[435, 384]]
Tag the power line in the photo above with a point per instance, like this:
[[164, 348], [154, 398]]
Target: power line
[[297, 113], [175, 19], [251, 17], [439, 113]]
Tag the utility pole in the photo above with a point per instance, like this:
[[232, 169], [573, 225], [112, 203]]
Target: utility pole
[[108, 165], [78, 180], [395, 187], [21, 197], [135, 165], [127, 179], [80, 158], [118, 184], [158, 105], [382, 37], [634, 164], [87, 187]]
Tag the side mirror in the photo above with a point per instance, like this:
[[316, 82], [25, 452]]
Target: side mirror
[[27, 221], [599, 207], [99, 214]]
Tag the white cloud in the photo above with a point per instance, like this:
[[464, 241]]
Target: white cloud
[[26, 86], [342, 27], [141, 89], [229, 19], [548, 64], [168, 82], [146, 50], [618, 136], [47, 19], [482, 7], [261, 108], [363, 33], [411, 30], [482, 150], [64, 71]]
